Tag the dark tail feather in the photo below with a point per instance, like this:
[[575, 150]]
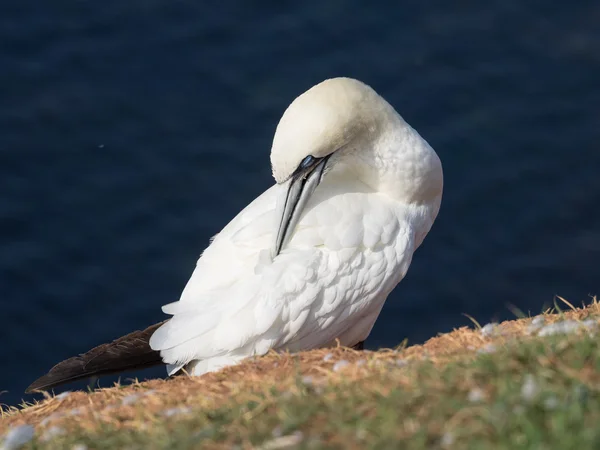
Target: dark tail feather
[[129, 352]]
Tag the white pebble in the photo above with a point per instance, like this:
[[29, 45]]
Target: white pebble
[[489, 329], [340, 365], [79, 447], [281, 442], [176, 411], [17, 437], [476, 395], [551, 403], [308, 380], [567, 327], [74, 412], [530, 388], [52, 432], [328, 357], [50, 418], [538, 321], [488, 348], [63, 395], [130, 399], [447, 439]]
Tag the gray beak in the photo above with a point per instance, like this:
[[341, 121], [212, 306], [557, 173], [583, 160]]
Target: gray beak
[[300, 187]]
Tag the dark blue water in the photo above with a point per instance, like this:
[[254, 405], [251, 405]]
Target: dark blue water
[[131, 132]]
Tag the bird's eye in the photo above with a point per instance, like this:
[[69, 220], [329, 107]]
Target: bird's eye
[[307, 162], [306, 166]]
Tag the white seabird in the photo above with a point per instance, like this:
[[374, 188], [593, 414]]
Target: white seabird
[[309, 261], [314, 257]]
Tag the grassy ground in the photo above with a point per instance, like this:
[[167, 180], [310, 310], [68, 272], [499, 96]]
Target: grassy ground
[[526, 383]]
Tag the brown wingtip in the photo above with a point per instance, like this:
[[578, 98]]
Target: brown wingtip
[[129, 352]]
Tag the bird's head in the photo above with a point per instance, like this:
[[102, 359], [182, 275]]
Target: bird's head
[[344, 120]]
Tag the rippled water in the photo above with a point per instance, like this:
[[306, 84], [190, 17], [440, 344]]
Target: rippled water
[[131, 132]]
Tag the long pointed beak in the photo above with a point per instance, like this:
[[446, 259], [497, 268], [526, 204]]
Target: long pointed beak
[[299, 189]]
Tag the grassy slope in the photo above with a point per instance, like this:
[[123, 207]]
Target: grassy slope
[[466, 389]]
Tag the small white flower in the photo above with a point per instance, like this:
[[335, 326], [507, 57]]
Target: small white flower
[[476, 395], [340, 365], [281, 442], [551, 403], [17, 437], [530, 388], [176, 411], [489, 329]]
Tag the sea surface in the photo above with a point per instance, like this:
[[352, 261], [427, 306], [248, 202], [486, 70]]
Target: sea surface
[[133, 131]]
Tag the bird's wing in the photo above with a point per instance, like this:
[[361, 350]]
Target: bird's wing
[[129, 352], [349, 246]]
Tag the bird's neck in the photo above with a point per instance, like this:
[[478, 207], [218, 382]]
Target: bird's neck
[[396, 161]]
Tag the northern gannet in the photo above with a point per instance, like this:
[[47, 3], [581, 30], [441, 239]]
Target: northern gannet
[[312, 259]]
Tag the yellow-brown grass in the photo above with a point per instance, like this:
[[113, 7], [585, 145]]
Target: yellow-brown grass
[[146, 400]]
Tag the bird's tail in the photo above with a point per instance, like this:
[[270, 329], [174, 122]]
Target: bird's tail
[[129, 352]]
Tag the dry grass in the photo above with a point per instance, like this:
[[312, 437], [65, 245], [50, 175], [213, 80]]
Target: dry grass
[[134, 406]]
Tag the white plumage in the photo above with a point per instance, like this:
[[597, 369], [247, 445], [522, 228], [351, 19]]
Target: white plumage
[[348, 244]]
